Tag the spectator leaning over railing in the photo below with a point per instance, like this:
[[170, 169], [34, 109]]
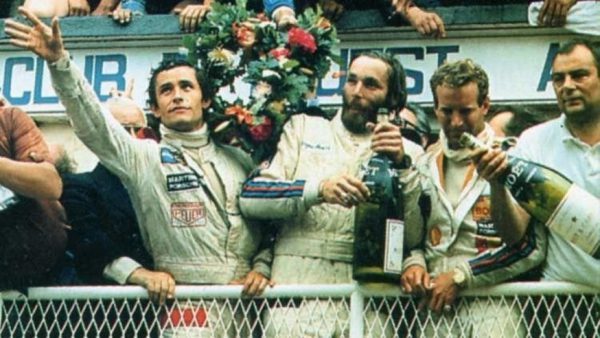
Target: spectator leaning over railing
[[462, 248], [190, 12], [184, 190], [311, 186], [33, 233], [104, 226], [427, 23], [52, 8]]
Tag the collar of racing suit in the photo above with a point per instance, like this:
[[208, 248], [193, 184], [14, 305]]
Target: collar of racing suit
[[192, 139]]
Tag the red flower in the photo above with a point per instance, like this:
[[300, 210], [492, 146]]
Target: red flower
[[297, 37], [263, 131], [279, 53]]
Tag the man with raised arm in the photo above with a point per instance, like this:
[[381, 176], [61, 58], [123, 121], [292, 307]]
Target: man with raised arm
[[184, 189]]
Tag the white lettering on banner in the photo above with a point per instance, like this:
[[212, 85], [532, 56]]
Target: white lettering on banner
[[518, 67]]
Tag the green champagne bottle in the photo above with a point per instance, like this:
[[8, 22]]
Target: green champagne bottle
[[378, 226], [566, 209]]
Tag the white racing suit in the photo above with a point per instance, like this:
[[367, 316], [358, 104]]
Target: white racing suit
[[314, 244], [464, 237], [191, 234]]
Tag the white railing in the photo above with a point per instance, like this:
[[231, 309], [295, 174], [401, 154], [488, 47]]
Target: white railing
[[348, 310]]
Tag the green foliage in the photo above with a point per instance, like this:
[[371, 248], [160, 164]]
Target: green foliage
[[233, 42]]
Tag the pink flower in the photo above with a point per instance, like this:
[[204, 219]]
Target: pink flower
[[297, 37], [279, 53]]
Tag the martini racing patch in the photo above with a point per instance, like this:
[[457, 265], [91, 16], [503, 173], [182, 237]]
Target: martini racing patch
[[185, 181], [482, 215], [188, 214]]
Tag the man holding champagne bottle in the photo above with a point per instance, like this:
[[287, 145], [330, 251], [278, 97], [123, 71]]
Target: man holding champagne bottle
[[461, 247], [569, 145], [311, 186]]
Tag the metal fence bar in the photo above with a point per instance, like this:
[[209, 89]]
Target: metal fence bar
[[357, 306], [304, 290], [549, 309]]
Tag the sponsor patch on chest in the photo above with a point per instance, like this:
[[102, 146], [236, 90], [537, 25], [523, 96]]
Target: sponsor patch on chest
[[184, 181], [167, 156], [188, 214], [482, 215]]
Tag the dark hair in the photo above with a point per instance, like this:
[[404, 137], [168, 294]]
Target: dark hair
[[592, 46], [205, 86], [423, 124], [523, 118], [459, 73], [396, 96]]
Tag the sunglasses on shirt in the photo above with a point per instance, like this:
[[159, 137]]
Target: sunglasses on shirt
[[409, 130]]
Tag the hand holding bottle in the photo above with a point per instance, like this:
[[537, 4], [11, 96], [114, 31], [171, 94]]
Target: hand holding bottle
[[344, 190], [387, 140], [491, 163]]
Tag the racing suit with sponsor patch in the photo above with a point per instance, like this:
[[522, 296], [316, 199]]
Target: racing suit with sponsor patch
[[463, 236], [314, 244], [184, 191]]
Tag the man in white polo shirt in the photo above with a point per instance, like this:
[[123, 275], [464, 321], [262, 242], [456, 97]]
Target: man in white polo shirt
[[569, 144]]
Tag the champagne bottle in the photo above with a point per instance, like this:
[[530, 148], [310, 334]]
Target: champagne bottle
[[378, 228], [566, 209]]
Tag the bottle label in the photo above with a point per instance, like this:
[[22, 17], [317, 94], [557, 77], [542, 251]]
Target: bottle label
[[521, 173], [394, 241], [577, 219]]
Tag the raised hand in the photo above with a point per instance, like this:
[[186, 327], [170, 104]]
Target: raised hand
[[37, 37]]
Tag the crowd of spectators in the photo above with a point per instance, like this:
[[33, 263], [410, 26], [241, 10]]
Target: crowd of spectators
[[180, 208], [420, 14]]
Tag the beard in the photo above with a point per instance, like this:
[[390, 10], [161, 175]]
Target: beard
[[356, 115]]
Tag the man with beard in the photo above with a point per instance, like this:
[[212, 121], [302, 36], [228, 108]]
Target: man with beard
[[462, 248], [311, 184]]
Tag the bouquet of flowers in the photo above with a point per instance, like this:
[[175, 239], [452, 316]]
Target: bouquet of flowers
[[282, 68]]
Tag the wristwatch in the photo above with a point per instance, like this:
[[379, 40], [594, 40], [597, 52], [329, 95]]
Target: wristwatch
[[459, 277]]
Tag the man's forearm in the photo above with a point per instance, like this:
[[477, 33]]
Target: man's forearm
[[35, 180], [509, 218]]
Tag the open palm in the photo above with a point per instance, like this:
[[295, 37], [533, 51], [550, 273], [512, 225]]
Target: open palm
[[37, 37]]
